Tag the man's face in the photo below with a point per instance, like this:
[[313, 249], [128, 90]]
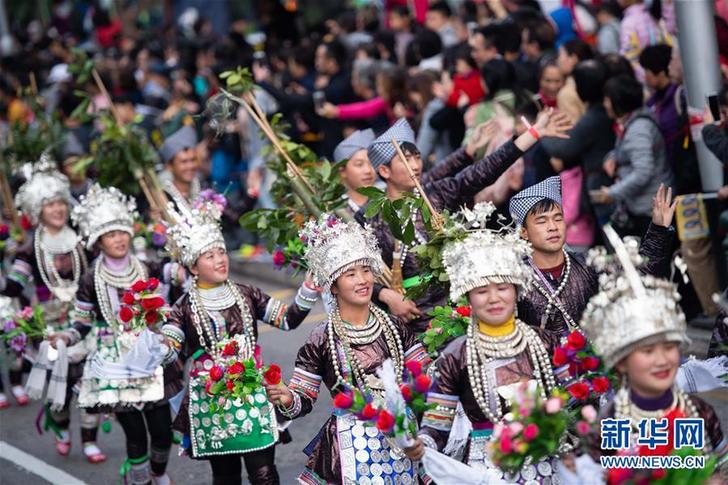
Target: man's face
[[322, 60], [398, 176], [435, 20], [184, 166], [479, 50], [545, 230]]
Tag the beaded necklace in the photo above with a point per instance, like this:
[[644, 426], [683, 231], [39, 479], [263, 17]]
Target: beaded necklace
[[64, 290], [482, 350], [211, 335], [335, 329], [551, 295], [105, 278], [178, 197]]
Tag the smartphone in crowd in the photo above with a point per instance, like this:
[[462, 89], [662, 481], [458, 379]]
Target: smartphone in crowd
[[319, 98], [714, 105]]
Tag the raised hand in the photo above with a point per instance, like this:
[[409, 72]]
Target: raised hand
[[482, 136], [663, 207], [555, 124]]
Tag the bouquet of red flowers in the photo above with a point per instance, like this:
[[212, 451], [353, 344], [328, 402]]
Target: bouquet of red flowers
[[142, 306], [447, 323], [581, 368], [533, 430], [353, 400]]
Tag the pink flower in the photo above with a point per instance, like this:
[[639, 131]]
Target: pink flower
[[589, 413], [279, 259], [553, 405], [530, 432], [515, 428], [506, 445], [414, 367], [582, 427]]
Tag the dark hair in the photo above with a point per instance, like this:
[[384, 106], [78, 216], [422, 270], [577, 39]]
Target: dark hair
[[656, 58], [335, 50], [394, 80], [578, 48], [611, 7], [617, 65], [509, 39], [625, 93], [463, 52], [590, 76], [656, 10], [409, 148], [545, 65], [440, 6], [542, 206], [370, 49], [498, 74], [421, 83], [490, 32], [541, 32], [400, 10], [427, 43], [304, 56]]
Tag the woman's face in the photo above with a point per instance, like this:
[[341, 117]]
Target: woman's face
[[566, 62], [493, 304], [651, 369], [54, 214], [358, 171], [212, 267], [354, 287], [115, 244], [551, 81]]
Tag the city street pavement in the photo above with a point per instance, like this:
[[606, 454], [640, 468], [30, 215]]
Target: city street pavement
[[17, 424]]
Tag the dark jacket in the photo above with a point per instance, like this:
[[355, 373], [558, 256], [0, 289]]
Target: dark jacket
[[716, 140]]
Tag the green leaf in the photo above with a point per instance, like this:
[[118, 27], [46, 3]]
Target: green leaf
[[371, 192], [409, 233], [226, 74], [325, 170]]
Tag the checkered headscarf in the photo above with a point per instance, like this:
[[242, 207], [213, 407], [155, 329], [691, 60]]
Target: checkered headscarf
[[523, 201], [381, 152], [359, 140]]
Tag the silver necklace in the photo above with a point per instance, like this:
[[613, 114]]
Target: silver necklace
[[178, 197], [552, 297], [211, 335], [217, 298], [365, 334], [105, 279], [64, 290]]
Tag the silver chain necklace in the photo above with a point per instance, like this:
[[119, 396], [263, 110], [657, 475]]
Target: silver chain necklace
[[63, 289], [106, 280], [217, 299], [552, 296], [179, 198]]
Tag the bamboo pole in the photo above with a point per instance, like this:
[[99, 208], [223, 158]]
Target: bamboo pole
[[437, 222]]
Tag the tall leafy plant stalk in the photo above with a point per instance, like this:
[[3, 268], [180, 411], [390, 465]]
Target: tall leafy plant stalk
[[122, 154], [303, 186]]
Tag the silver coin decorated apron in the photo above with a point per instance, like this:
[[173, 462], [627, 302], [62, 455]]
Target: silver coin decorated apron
[[367, 457], [543, 472], [237, 427]]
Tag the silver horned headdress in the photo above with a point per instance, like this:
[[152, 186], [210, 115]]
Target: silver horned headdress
[[333, 247], [194, 232], [104, 210], [630, 310], [485, 255], [45, 185]]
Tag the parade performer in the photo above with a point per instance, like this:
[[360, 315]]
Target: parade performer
[[563, 283], [213, 311], [344, 352], [447, 193], [638, 328], [181, 183], [105, 218], [53, 260], [499, 352]]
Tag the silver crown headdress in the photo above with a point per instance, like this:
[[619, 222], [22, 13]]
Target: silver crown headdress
[[486, 255], [104, 210], [46, 184], [333, 247], [194, 232], [630, 310]]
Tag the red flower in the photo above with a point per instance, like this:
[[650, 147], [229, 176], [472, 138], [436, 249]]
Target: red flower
[[273, 375], [128, 298], [139, 286], [579, 390], [369, 411], [151, 317], [590, 363], [279, 259], [385, 422], [600, 385], [230, 349], [343, 400], [25, 223], [236, 368], [463, 311], [230, 385], [125, 314], [575, 340], [152, 284], [406, 392], [216, 373], [152, 303], [559, 357], [4, 231], [530, 432], [414, 367], [422, 383], [208, 385]]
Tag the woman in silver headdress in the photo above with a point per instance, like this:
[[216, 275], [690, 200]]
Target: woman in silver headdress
[[202, 322], [483, 368], [53, 259], [105, 218], [344, 352]]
